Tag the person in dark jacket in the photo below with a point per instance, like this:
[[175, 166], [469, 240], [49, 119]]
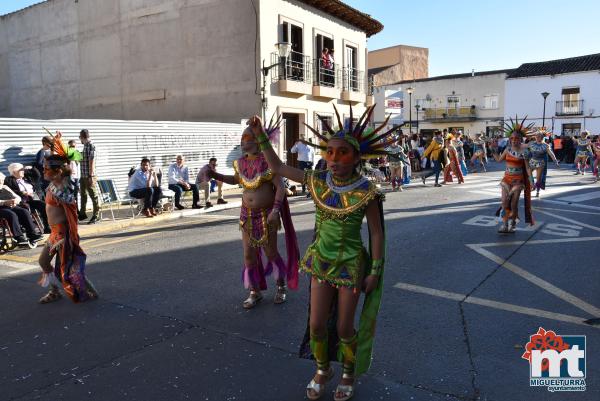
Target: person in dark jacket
[[24, 181]]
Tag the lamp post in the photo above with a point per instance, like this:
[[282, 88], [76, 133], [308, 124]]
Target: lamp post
[[544, 95], [410, 90], [417, 107], [283, 49]]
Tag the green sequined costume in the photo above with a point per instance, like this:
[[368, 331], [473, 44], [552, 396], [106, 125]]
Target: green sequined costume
[[337, 254]]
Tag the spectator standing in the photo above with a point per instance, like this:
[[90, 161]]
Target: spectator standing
[[75, 173], [144, 184], [305, 157], [179, 182], [331, 60], [203, 182], [16, 216], [44, 152], [88, 178], [21, 182]]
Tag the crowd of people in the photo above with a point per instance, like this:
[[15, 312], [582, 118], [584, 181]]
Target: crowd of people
[[343, 186]]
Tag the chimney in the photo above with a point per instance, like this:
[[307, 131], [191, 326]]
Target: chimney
[[473, 72]]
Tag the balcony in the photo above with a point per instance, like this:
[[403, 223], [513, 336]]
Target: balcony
[[448, 114], [325, 80], [569, 108], [353, 86], [293, 75]]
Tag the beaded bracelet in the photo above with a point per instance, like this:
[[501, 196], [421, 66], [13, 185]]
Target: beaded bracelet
[[277, 205], [377, 267]]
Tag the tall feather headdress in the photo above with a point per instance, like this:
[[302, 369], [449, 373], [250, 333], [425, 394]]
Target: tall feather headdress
[[368, 142], [514, 126], [59, 148]]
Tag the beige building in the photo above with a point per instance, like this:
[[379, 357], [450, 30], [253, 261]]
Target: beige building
[[398, 63], [189, 60], [472, 102]]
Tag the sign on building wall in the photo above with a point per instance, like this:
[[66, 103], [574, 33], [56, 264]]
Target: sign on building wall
[[121, 145]]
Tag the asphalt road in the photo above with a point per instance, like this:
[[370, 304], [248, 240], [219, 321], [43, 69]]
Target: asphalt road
[[459, 305]]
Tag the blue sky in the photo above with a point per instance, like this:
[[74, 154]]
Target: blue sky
[[472, 34]]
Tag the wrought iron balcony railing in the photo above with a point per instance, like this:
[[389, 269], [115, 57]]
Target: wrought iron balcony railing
[[295, 67], [449, 113], [569, 108], [353, 80]]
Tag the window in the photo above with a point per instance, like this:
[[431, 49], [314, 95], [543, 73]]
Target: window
[[453, 101], [490, 102], [328, 119], [571, 104], [325, 69], [571, 129], [295, 64], [351, 68]]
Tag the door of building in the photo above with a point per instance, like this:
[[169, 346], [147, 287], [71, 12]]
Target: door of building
[[290, 134]]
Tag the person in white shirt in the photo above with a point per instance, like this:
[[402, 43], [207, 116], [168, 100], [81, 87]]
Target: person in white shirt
[[179, 177], [305, 157], [17, 216], [144, 184], [22, 181], [203, 182]]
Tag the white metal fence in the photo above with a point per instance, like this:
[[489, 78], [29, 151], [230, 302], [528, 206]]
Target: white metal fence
[[121, 144]]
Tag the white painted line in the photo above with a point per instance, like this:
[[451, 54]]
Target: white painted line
[[16, 268], [492, 304], [534, 242], [568, 204], [570, 220], [566, 210], [552, 289], [581, 197]]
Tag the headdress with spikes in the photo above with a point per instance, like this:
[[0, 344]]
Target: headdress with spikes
[[274, 128], [60, 149], [514, 126], [369, 143]]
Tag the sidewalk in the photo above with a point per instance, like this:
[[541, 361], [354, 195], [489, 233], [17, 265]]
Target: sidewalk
[[123, 218]]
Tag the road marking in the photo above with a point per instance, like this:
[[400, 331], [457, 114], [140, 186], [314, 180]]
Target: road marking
[[568, 204], [566, 210], [16, 268], [552, 289], [570, 220], [16, 258], [536, 242], [581, 197], [492, 304]]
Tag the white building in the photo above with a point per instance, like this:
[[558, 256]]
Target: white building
[[572, 86], [188, 60], [472, 103]]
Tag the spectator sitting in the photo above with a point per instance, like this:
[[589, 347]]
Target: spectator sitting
[[22, 182], [16, 216], [179, 178], [144, 184], [202, 180]]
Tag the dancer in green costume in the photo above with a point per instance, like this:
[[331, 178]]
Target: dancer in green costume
[[337, 260]]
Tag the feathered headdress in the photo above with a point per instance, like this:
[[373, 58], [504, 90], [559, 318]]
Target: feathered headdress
[[514, 126], [369, 143], [274, 128], [60, 149]]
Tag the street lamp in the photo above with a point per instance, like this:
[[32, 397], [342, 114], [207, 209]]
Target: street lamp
[[410, 90], [544, 95], [417, 107], [283, 49]]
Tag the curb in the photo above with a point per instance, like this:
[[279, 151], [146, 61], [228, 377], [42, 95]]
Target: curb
[[101, 228]]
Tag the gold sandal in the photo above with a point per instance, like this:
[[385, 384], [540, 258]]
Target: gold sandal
[[280, 295], [252, 300], [347, 390], [315, 390], [52, 296]]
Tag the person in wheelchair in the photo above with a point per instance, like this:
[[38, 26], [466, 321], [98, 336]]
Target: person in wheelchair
[[17, 216], [23, 181]]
